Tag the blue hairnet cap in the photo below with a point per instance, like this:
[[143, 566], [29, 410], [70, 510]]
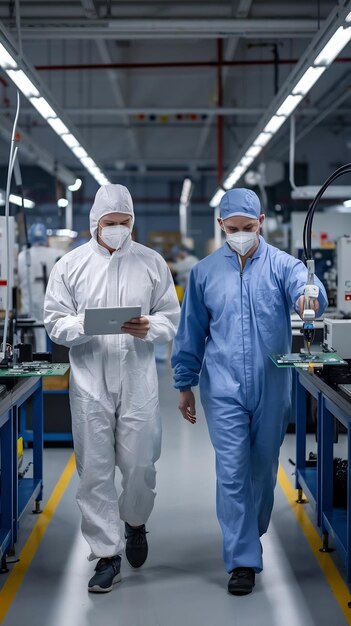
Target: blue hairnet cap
[[37, 234], [240, 202]]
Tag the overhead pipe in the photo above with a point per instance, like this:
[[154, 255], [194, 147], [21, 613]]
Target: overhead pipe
[[172, 64]]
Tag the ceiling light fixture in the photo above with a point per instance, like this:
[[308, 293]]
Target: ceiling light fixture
[[58, 126], [327, 44], [17, 200], [25, 79], [77, 185]]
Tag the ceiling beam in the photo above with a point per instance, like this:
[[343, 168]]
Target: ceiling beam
[[172, 28], [210, 111]]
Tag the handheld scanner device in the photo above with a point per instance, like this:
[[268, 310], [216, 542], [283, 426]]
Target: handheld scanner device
[[311, 293]]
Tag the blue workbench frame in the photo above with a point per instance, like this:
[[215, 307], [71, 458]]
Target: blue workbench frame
[[17, 494], [317, 483], [6, 500]]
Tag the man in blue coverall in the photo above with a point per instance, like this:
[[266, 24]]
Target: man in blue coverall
[[235, 313]]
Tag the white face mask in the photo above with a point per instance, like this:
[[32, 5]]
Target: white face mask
[[115, 236], [242, 242]]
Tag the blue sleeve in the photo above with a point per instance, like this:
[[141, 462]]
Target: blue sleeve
[[190, 340], [295, 278]]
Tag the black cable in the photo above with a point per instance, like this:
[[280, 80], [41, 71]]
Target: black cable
[[339, 172], [307, 229]]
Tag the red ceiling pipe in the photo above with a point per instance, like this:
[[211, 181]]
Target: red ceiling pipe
[[171, 64], [220, 118]]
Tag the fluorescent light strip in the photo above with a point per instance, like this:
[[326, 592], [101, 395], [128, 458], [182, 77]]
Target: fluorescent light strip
[[70, 140], [23, 83], [28, 204], [274, 124], [217, 198], [334, 46], [58, 126], [289, 105], [262, 139], [6, 60], [88, 162], [246, 161], [234, 176], [21, 80], [43, 107], [254, 151], [307, 81], [79, 152], [347, 203]]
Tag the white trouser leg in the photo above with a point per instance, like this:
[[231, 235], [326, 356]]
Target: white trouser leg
[[138, 447], [94, 426]]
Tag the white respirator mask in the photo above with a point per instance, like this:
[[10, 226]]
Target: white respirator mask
[[115, 236], [242, 242]]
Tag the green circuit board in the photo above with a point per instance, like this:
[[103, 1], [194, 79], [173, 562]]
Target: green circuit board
[[35, 369], [297, 359]]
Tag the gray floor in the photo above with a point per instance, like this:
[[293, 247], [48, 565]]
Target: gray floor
[[184, 581]]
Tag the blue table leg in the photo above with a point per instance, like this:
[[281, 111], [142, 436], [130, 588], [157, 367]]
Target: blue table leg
[[38, 442], [326, 462], [15, 413], [348, 564], [319, 463], [300, 421], [7, 517]]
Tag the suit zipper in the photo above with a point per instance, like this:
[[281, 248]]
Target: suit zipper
[[242, 327]]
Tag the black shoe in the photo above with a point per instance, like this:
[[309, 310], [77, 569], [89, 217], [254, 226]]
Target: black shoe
[[242, 581], [136, 545], [108, 572]]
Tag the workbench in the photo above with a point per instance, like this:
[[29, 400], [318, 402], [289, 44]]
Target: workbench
[[317, 482], [17, 493]]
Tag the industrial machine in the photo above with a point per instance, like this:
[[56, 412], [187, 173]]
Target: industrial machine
[[5, 272], [344, 275], [337, 336]]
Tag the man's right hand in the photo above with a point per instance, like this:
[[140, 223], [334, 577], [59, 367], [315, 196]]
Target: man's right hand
[[187, 406]]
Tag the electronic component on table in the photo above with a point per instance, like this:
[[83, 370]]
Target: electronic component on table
[[309, 314]]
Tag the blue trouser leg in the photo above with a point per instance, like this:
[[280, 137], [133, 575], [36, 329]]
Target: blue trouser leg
[[229, 427], [268, 428]]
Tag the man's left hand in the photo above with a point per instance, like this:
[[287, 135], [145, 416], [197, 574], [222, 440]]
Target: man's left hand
[[301, 304], [137, 327]]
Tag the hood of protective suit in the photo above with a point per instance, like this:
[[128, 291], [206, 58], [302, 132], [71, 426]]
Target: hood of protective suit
[[110, 199]]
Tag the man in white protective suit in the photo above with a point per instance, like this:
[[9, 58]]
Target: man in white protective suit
[[113, 386]]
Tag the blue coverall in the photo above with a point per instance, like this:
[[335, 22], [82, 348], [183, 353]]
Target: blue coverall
[[231, 321]]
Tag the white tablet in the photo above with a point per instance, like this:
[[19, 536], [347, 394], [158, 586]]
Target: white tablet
[[109, 321]]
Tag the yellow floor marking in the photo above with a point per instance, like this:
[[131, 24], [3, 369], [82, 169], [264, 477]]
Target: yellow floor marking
[[17, 574], [326, 563]]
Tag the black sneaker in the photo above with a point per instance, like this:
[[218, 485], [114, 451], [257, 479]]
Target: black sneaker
[[108, 573], [136, 545], [242, 581]]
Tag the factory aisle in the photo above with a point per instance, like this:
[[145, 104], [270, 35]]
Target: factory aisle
[[183, 581]]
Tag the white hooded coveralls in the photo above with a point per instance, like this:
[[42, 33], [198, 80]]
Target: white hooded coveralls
[[113, 385]]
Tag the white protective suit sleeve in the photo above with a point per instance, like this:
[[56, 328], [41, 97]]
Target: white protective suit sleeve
[[61, 321], [165, 311]]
